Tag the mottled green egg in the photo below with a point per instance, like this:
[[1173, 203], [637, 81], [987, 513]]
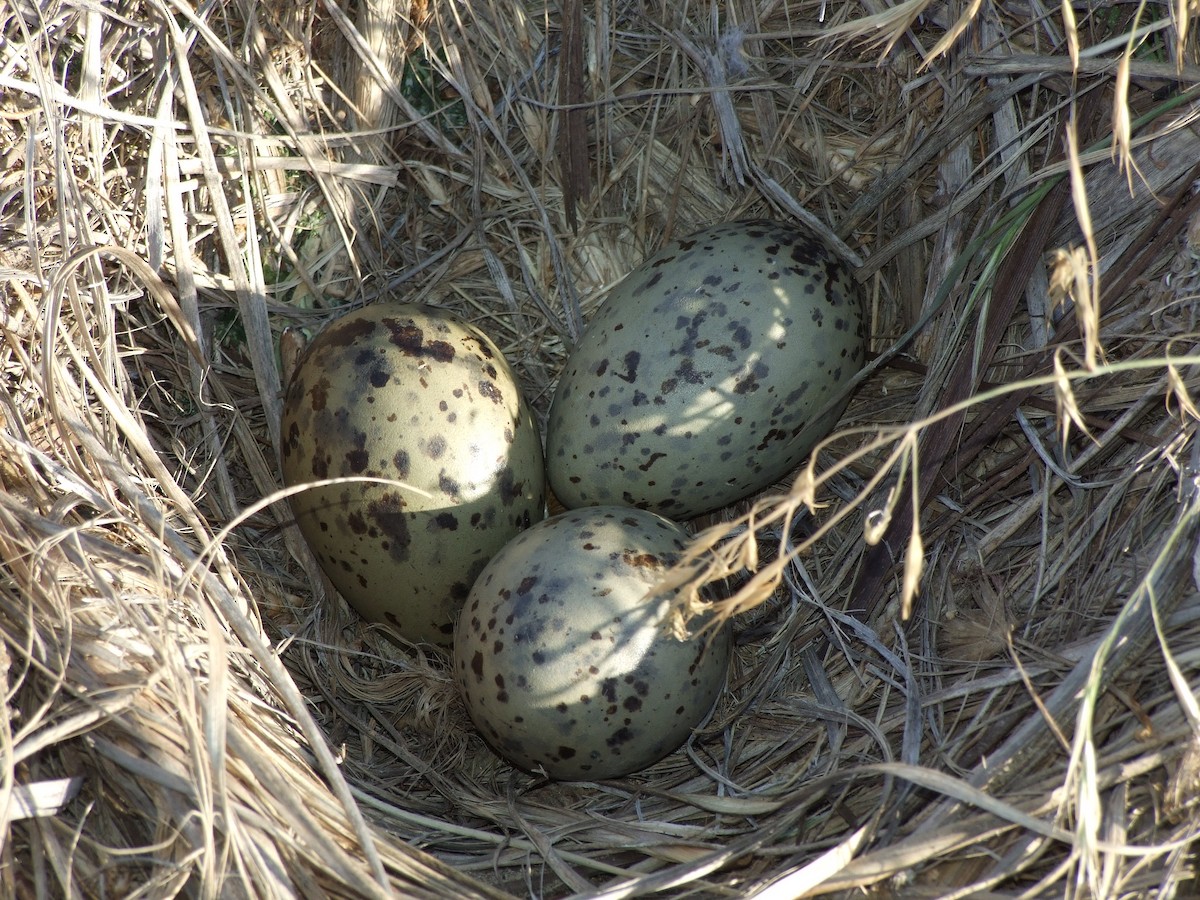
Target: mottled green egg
[[416, 396], [696, 381], [563, 659]]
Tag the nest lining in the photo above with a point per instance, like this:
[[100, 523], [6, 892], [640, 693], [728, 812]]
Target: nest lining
[[227, 727]]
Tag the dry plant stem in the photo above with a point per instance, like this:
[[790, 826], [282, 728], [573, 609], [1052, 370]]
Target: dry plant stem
[[162, 174], [389, 84], [1014, 144], [1010, 283], [926, 844], [954, 227], [914, 161], [1100, 423], [573, 118], [1167, 583], [518, 844], [232, 611], [939, 441], [1159, 233], [230, 167], [379, 21], [456, 75], [741, 847], [55, 374], [251, 299], [311, 149], [1019, 64], [961, 200], [1013, 522]]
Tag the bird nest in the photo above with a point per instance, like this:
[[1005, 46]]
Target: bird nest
[[967, 635]]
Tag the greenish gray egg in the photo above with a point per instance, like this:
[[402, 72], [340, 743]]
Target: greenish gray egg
[[697, 381], [417, 396], [563, 660]]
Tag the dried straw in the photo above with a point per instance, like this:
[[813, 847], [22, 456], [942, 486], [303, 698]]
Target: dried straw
[[968, 635]]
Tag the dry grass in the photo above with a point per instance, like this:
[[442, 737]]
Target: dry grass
[[994, 697]]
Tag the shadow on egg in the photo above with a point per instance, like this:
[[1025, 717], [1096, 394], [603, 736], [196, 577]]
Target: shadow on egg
[[565, 664]]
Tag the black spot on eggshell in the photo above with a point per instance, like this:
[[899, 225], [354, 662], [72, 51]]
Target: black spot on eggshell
[[608, 689], [631, 359], [445, 520], [488, 389], [688, 372], [357, 459], [449, 486], [510, 490], [400, 463], [393, 525], [619, 737], [436, 446], [291, 441], [344, 333], [379, 376], [724, 351], [410, 338], [320, 465], [654, 457], [319, 394]]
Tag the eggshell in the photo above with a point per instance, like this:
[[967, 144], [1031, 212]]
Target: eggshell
[[564, 662], [417, 396], [694, 382]]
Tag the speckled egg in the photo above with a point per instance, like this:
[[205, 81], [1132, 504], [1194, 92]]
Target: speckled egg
[[414, 395], [695, 381], [564, 661]]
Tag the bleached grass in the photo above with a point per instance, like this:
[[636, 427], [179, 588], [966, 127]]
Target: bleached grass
[[1009, 711]]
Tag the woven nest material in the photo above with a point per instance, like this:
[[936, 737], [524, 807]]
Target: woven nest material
[[993, 697]]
